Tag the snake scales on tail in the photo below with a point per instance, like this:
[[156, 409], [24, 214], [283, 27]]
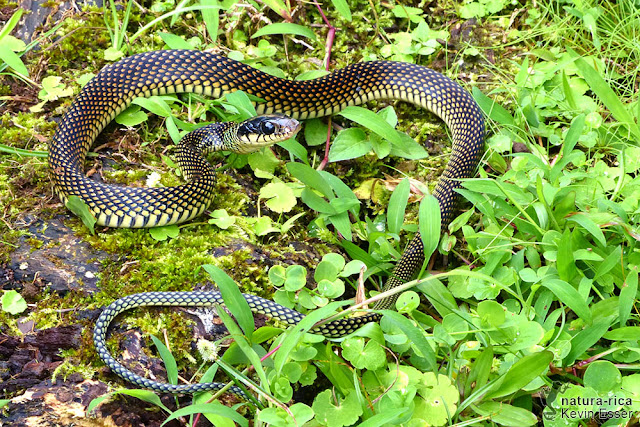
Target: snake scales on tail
[[179, 71]]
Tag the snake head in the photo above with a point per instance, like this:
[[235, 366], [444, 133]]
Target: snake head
[[265, 130]]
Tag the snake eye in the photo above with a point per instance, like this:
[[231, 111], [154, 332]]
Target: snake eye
[[267, 128]]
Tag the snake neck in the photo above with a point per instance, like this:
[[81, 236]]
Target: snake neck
[[194, 145]]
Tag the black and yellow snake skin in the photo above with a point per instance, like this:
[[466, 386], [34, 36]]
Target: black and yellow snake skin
[[177, 71]]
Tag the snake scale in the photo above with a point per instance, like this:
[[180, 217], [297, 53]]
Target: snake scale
[[179, 71]]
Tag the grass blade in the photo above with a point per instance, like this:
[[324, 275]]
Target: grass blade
[[168, 359], [211, 18], [233, 298], [604, 92], [23, 152], [215, 408]]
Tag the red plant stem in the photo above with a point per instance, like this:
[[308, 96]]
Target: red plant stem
[[331, 35]]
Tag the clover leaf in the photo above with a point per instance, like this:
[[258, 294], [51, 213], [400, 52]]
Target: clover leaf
[[280, 197], [332, 411], [364, 356]]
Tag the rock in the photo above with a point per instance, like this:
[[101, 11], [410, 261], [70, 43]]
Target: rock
[[62, 262], [37, 15]]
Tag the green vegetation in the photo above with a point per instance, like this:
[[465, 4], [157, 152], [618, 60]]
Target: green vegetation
[[531, 300]]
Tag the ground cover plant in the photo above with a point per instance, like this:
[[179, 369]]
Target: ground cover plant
[[526, 313]]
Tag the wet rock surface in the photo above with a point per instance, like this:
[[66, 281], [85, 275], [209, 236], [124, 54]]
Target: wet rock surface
[[38, 14], [52, 256]]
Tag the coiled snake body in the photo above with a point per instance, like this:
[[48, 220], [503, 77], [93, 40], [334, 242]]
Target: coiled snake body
[[177, 71]]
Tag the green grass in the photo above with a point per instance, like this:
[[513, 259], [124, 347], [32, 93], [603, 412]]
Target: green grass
[[531, 300]]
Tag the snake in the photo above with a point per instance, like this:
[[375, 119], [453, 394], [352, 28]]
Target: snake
[[189, 71]]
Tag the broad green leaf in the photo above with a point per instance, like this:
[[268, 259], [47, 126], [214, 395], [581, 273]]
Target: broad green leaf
[[392, 417], [165, 232], [364, 355], [295, 149], [565, 263], [278, 7], [492, 109], [625, 333], [296, 278], [568, 92], [277, 275], [277, 417], [341, 189], [154, 104], [480, 370], [569, 296], [285, 28], [343, 8], [132, 116], [439, 296], [174, 42], [522, 373], [233, 299], [628, 295], [592, 228], [429, 224], [574, 132], [397, 206], [317, 203], [13, 60], [349, 144], [506, 415], [584, 339], [169, 361], [373, 122], [294, 335], [245, 347], [144, 395], [96, 402], [242, 103], [12, 302], [407, 302], [603, 376], [315, 132], [11, 23], [76, 205], [311, 75], [310, 177], [222, 219], [416, 337], [341, 222]]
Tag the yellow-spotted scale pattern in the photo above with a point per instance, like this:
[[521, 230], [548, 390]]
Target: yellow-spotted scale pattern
[[175, 71]]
